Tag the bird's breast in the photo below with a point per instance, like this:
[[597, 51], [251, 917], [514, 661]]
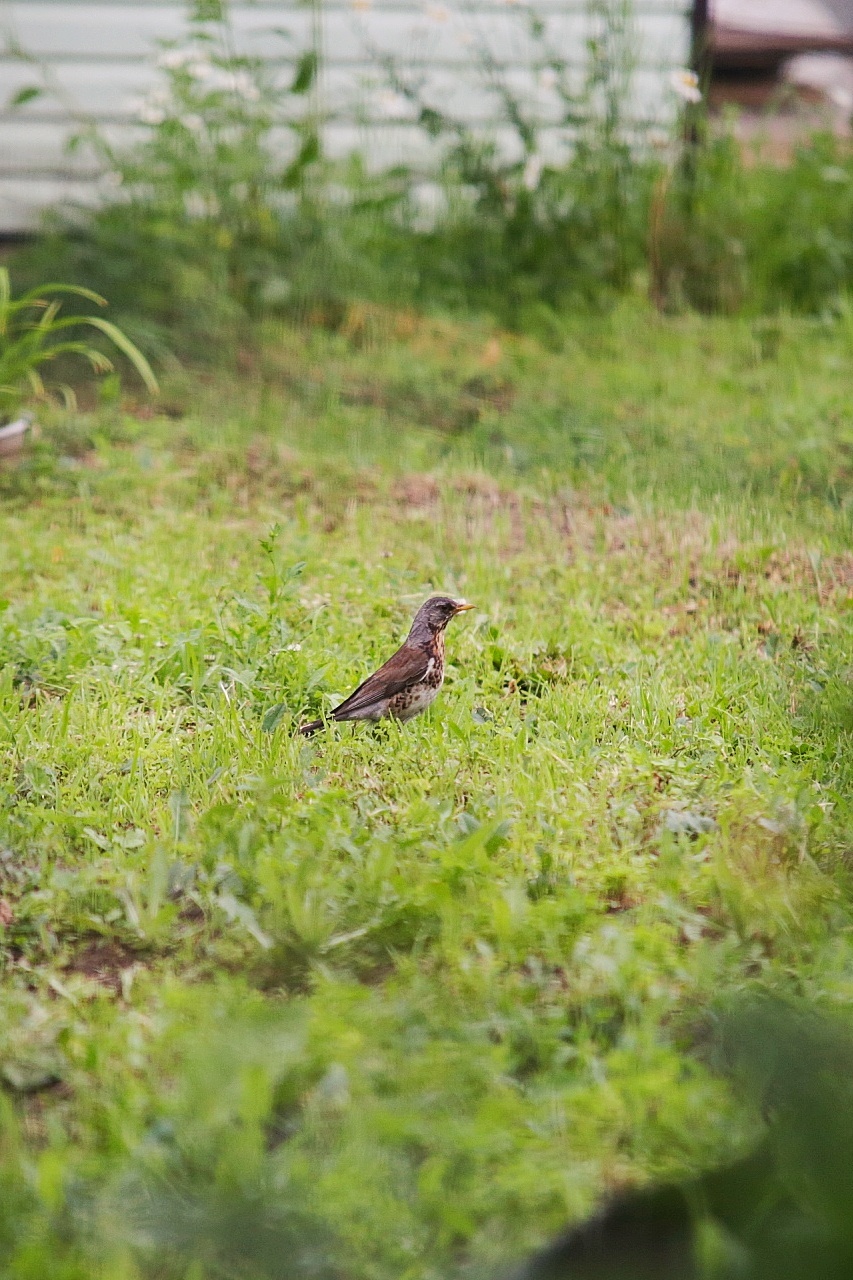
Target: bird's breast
[[411, 702]]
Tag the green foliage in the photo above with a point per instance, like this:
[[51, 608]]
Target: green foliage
[[206, 170], [210, 225], [404, 1000], [781, 1211], [525, 233], [32, 334], [209, 217], [226, 211], [735, 234]]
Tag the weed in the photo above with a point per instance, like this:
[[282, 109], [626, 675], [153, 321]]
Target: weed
[[208, 213], [734, 233], [32, 334], [531, 225]]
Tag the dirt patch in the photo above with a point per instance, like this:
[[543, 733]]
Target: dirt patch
[[102, 960], [485, 491], [683, 544], [620, 900], [444, 408], [416, 492]]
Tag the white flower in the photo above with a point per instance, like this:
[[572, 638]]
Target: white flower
[[437, 13], [686, 84], [842, 98], [391, 105], [193, 122], [175, 59], [532, 173], [149, 113], [200, 206], [195, 204], [293, 648], [547, 78], [157, 98], [201, 69], [220, 79], [215, 78], [241, 83], [153, 109], [361, 6]]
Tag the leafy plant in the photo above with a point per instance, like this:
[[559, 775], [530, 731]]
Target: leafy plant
[[211, 211], [732, 232], [562, 203], [538, 223], [208, 170], [33, 334], [216, 219]]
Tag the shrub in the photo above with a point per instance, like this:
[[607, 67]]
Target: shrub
[[207, 216], [540, 223], [730, 233], [33, 334]]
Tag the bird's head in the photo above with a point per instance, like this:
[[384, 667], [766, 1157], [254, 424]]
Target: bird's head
[[434, 615]]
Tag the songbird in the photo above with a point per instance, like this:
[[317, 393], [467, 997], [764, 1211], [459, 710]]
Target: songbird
[[409, 681]]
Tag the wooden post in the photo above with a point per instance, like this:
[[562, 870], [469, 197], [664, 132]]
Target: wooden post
[[700, 44], [700, 62]]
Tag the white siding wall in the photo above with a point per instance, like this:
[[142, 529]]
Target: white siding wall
[[100, 56]]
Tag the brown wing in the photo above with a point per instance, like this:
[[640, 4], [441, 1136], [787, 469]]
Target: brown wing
[[406, 667]]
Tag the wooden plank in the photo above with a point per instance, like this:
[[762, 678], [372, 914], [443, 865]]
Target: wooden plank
[[40, 147], [792, 19], [640, 8], [109, 94], [22, 199], [85, 30]]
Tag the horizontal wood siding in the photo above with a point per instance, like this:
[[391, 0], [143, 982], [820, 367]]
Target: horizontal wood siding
[[100, 58]]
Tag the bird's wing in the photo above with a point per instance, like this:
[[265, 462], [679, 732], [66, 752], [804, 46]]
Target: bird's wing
[[407, 666]]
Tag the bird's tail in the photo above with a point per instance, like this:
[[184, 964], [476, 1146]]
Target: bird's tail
[[311, 727]]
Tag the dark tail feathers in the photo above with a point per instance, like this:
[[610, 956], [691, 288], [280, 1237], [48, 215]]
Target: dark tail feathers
[[311, 727]]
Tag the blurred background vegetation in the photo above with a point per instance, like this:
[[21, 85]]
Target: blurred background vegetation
[[216, 220]]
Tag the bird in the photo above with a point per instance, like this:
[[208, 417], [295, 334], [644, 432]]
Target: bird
[[408, 682]]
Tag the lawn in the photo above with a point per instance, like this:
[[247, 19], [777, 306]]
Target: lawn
[[400, 1001]]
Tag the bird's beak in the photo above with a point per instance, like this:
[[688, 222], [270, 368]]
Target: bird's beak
[[462, 606]]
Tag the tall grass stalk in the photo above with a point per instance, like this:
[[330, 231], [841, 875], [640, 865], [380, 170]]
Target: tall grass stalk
[[33, 334]]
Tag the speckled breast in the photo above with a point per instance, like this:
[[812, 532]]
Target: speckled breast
[[412, 701]]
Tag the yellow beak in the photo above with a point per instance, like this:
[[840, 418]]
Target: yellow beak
[[462, 607]]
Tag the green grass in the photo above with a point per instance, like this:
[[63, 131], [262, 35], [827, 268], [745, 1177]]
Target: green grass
[[400, 1001]]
